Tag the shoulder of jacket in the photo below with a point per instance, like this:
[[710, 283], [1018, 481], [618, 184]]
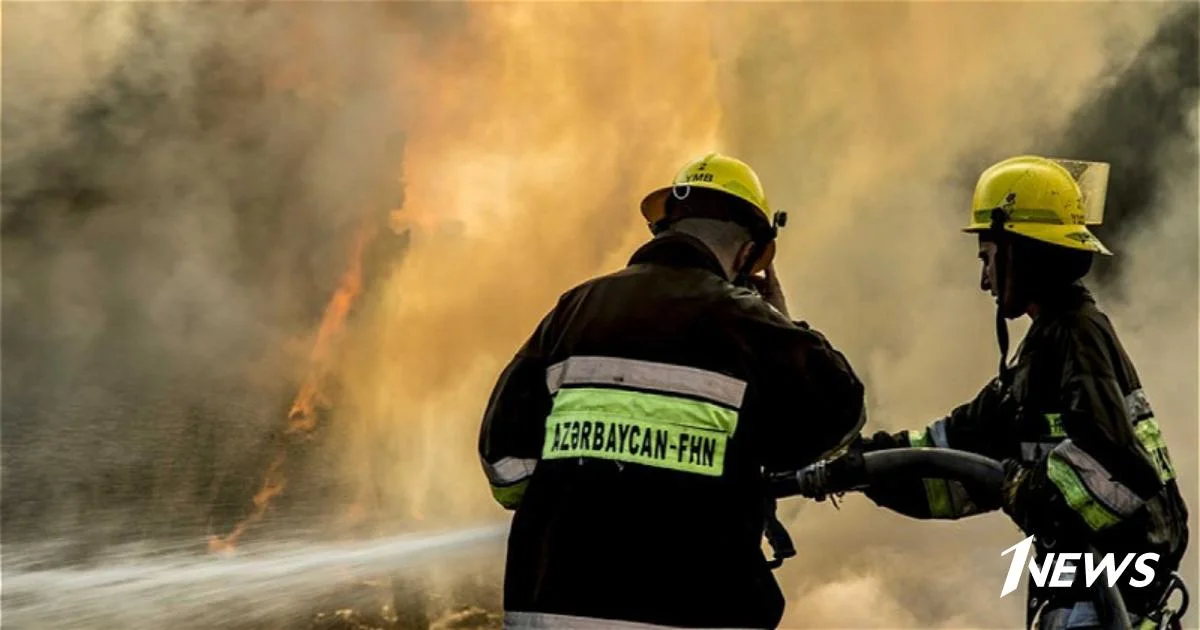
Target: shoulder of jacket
[[752, 309], [1083, 325], [748, 304]]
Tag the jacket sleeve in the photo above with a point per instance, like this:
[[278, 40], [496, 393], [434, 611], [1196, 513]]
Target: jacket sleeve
[[1100, 474], [832, 408], [510, 438], [969, 427]]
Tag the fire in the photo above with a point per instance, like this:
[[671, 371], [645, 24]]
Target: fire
[[537, 133], [540, 152], [302, 416]]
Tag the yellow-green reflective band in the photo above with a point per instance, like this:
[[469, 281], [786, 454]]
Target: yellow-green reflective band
[[1095, 515], [658, 408], [1021, 216], [510, 496], [1147, 624], [639, 428], [937, 492], [1054, 425], [1149, 434], [637, 442]]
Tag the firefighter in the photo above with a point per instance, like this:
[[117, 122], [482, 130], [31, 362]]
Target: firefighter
[[632, 430], [1084, 457]]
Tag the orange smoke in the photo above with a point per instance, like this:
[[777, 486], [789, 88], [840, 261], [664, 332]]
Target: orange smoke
[[302, 416], [536, 132]]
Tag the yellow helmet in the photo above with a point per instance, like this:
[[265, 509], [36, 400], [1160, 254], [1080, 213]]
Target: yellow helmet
[[721, 173], [1041, 199]]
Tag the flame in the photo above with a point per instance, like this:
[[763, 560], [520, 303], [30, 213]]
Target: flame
[[302, 416], [541, 155], [538, 133]]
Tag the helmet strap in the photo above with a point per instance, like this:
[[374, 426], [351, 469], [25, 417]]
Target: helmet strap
[[1000, 264]]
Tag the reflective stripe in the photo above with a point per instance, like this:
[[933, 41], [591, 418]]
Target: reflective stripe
[[1150, 436], [514, 620], [1116, 495], [1054, 426], [509, 470], [963, 505], [554, 376], [641, 428], [948, 499], [1146, 428], [1035, 451], [1031, 215], [1138, 406], [510, 496], [1080, 500], [1147, 623], [1089, 488], [938, 495], [647, 375], [937, 431]]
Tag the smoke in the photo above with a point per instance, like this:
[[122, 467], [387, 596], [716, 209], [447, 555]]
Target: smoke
[[871, 123], [182, 186]]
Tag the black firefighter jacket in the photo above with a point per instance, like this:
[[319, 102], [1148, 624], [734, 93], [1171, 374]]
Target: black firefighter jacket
[[631, 432], [1076, 416]]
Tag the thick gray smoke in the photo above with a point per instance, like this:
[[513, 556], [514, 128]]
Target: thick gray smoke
[[181, 185]]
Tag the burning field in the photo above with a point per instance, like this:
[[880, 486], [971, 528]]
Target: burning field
[[262, 262]]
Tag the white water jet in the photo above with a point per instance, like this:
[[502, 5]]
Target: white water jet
[[259, 583]]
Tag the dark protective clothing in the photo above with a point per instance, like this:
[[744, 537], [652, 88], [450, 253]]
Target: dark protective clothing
[[630, 434], [1093, 465]]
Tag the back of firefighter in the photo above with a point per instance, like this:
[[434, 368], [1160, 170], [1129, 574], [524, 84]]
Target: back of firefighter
[[631, 431], [1085, 460]]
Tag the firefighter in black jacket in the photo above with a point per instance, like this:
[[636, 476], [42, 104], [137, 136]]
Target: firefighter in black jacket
[[1085, 460], [632, 430]]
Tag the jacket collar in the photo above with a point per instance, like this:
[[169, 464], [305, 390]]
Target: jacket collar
[[1069, 298], [675, 249]]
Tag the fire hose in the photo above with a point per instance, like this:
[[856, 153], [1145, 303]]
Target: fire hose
[[981, 476]]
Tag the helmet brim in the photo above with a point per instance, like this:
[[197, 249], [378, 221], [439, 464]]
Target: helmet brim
[[654, 205], [1076, 237]]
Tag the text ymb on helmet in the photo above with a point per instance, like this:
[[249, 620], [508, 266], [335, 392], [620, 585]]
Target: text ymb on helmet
[[1047, 199], [728, 176]]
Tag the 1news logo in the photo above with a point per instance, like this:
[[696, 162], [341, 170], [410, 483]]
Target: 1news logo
[[1064, 568]]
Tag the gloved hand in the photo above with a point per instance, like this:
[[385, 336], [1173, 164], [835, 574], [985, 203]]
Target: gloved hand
[[1036, 505], [823, 478], [1014, 477]]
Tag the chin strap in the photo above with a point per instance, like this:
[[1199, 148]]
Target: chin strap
[[1000, 264]]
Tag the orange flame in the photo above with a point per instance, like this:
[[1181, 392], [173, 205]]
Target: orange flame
[[302, 416]]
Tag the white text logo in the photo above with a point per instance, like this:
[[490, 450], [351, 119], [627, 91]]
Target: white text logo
[[1064, 566]]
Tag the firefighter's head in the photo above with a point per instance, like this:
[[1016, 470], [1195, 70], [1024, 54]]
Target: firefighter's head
[[720, 200], [1031, 218]]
